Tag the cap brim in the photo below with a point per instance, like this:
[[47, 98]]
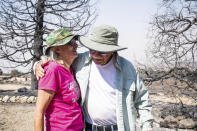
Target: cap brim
[[98, 46], [68, 39]]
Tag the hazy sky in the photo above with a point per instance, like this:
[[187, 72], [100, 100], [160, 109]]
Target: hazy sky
[[131, 18]]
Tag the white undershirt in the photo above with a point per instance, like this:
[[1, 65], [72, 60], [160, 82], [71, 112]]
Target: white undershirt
[[100, 101]]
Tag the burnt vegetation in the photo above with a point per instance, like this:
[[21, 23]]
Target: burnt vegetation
[[24, 25]]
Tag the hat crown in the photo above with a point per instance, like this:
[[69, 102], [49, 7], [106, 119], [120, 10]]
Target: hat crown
[[105, 35], [57, 36], [103, 38]]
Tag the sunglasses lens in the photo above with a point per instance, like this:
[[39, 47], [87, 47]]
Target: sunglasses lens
[[102, 53]]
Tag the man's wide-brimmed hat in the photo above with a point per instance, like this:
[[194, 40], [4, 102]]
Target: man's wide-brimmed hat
[[58, 37], [103, 39]]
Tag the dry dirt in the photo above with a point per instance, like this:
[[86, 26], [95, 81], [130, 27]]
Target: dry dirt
[[16, 117], [19, 117]]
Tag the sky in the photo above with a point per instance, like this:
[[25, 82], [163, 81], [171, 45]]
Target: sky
[[131, 18]]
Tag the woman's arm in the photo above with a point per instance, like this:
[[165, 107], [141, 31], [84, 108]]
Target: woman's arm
[[43, 100]]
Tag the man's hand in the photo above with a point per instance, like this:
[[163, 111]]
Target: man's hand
[[39, 70], [39, 67]]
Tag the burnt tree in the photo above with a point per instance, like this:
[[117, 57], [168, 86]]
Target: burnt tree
[[174, 31], [24, 25]]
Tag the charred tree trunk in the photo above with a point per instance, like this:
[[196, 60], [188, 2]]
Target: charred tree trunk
[[23, 24], [38, 40]]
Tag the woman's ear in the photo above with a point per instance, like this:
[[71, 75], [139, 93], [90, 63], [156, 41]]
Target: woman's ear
[[56, 49]]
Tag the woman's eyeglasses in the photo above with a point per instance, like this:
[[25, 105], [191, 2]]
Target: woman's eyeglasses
[[74, 43]]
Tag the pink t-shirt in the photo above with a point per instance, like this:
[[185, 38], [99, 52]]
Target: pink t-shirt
[[64, 112]]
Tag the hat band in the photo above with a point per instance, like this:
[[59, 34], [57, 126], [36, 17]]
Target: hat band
[[103, 40], [60, 40]]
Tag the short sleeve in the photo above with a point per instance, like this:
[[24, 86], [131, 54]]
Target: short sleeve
[[50, 79]]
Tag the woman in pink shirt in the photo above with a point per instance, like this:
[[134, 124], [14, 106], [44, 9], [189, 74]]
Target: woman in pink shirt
[[58, 92]]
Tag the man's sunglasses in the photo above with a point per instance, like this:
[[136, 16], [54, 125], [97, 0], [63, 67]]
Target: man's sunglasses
[[102, 53]]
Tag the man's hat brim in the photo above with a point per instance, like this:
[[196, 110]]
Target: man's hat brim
[[92, 45]]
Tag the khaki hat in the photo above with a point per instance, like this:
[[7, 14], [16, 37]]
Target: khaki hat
[[58, 38], [103, 39]]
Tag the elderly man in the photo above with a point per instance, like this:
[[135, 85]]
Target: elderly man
[[112, 92]]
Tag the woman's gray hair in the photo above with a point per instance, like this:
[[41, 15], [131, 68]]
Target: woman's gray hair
[[52, 55]]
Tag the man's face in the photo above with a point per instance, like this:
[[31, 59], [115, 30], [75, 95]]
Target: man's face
[[100, 58]]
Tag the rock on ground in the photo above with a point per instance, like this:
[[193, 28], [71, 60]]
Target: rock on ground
[[19, 117]]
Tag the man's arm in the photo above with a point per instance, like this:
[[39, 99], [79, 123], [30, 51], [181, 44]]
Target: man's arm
[[143, 105]]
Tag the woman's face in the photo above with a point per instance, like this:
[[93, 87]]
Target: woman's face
[[68, 51]]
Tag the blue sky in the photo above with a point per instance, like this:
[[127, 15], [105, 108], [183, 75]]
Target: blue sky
[[131, 18]]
